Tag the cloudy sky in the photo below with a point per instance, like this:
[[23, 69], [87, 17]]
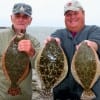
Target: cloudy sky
[[50, 12]]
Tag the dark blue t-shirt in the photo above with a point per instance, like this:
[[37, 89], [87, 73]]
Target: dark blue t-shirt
[[69, 88]]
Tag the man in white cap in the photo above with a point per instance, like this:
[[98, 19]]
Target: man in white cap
[[70, 38], [21, 18]]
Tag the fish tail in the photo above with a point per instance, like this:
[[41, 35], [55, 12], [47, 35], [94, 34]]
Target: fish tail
[[46, 95], [88, 95], [14, 90]]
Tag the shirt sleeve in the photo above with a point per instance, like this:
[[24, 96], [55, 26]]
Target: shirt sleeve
[[95, 36]]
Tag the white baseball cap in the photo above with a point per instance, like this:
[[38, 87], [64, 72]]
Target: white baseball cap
[[72, 5]]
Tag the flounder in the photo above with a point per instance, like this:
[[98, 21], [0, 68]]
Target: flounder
[[85, 69], [52, 67], [15, 65]]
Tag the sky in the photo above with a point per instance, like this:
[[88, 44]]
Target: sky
[[50, 13]]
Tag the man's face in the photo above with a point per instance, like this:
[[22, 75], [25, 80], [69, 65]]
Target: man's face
[[74, 20], [20, 21]]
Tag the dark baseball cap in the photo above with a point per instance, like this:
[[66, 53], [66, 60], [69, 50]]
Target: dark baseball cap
[[22, 8]]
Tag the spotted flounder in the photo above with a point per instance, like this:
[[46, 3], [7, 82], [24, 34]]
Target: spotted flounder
[[15, 65], [85, 67], [51, 65]]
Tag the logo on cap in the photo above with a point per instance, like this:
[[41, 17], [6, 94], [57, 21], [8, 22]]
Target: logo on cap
[[22, 9], [69, 4]]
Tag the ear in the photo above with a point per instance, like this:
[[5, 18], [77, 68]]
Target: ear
[[11, 17], [83, 12], [30, 20]]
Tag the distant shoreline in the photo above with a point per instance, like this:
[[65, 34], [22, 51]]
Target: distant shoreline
[[3, 27]]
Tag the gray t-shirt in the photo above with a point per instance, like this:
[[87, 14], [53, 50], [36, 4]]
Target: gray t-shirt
[[26, 84]]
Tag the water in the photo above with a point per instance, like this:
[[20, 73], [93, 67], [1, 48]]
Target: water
[[41, 32]]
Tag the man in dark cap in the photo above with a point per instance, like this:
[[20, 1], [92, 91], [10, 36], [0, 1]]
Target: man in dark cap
[[22, 8], [21, 19]]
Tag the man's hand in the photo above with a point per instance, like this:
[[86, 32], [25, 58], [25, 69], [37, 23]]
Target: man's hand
[[90, 43], [26, 46], [48, 39]]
